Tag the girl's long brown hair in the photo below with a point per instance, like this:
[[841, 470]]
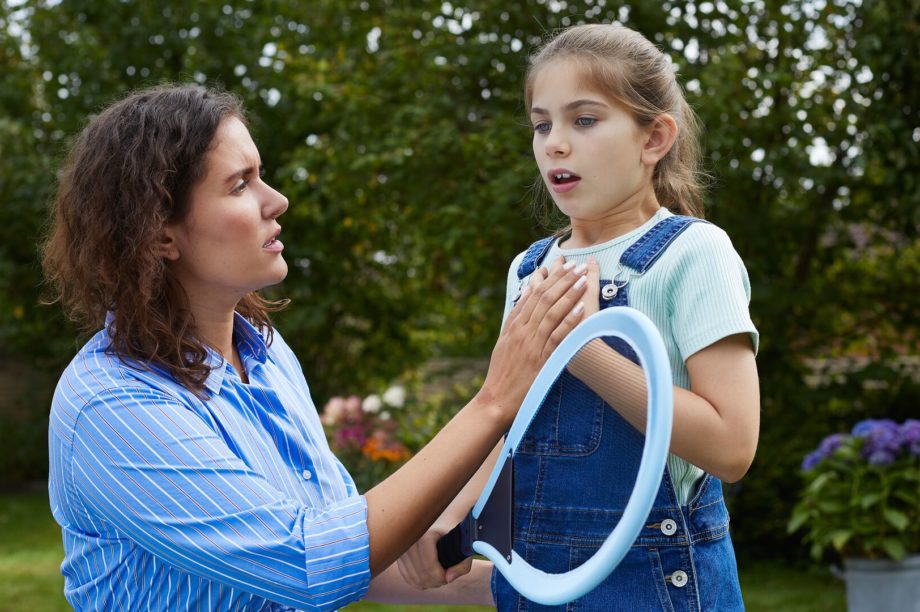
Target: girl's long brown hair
[[129, 172], [626, 66]]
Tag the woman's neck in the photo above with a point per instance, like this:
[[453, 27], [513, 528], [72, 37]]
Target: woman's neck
[[214, 322]]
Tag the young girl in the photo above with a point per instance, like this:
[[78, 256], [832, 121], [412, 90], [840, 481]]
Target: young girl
[[616, 146], [188, 466]]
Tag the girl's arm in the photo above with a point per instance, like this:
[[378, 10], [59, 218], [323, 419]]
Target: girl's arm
[[716, 425]]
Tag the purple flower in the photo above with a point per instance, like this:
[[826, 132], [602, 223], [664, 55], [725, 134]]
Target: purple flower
[[881, 457], [831, 443], [811, 460], [863, 427], [349, 437], [909, 433], [881, 436]]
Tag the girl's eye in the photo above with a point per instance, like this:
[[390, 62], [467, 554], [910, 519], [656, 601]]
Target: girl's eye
[[543, 127], [241, 187], [585, 121]]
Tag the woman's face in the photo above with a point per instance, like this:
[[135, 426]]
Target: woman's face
[[227, 244]]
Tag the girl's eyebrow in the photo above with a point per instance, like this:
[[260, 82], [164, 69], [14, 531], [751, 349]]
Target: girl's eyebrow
[[570, 106]]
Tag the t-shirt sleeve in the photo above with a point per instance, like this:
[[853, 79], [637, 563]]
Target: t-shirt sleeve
[[512, 285], [709, 290]]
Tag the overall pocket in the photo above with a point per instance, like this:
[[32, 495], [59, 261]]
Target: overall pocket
[[569, 423]]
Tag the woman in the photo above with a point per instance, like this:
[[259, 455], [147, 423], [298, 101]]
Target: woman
[[188, 464]]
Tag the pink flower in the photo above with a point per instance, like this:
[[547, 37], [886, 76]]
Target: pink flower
[[353, 408], [333, 411]]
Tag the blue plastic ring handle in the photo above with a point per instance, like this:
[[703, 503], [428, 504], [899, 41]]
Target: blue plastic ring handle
[[636, 329]]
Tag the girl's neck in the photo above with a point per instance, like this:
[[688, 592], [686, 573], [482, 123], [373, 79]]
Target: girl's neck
[[618, 222]]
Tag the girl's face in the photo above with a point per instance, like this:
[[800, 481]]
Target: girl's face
[[227, 246], [588, 148]]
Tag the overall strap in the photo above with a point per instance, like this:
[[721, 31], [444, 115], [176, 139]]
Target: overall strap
[[534, 257], [648, 248]]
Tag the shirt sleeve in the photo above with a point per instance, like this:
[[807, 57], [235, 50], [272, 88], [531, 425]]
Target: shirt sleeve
[[512, 285], [149, 470], [709, 290]]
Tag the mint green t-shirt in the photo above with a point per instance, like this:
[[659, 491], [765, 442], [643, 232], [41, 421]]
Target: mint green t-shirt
[[696, 294]]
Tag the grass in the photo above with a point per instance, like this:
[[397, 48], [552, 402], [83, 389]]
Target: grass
[[31, 553]]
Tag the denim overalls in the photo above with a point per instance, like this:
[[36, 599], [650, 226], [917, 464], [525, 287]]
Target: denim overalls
[[574, 473]]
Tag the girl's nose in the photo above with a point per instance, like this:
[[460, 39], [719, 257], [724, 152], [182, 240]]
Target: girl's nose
[[556, 144]]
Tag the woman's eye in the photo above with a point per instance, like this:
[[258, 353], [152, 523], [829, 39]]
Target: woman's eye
[[585, 121], [543, 127], [241, 187]]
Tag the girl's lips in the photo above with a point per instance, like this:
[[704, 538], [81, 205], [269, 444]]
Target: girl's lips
[[564, 187]]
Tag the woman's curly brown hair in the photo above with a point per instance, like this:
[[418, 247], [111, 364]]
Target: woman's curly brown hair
[[130, 171]]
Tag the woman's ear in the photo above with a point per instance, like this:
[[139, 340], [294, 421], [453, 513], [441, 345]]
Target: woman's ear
[[660, 138], [167, 248]]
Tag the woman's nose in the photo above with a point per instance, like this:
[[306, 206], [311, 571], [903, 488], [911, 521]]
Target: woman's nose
[[275, 203]]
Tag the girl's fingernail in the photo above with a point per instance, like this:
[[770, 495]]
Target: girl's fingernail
[[568, 265], [580, 268], [579, 308], [580, 282]]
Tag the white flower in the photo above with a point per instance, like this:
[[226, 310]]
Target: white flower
[[395, 396], [385, 415], [372, 403]]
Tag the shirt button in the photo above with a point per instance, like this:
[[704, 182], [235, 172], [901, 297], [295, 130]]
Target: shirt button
[[668, 527], [679, 579], [307, 475]]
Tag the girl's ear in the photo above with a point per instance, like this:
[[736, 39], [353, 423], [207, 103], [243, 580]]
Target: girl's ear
[[659, 139], [167, 248]]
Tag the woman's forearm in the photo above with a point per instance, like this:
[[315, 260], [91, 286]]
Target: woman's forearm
[[404, 506]]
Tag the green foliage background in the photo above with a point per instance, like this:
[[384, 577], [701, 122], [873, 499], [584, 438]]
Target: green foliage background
[[396, 129]]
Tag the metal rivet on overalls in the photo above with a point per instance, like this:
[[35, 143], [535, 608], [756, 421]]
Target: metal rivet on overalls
[[609, 291], [668, 527], [679, 579]]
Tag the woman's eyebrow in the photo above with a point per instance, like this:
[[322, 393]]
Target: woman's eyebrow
[[243, 172]]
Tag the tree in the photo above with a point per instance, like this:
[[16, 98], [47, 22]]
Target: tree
[[398, 135]]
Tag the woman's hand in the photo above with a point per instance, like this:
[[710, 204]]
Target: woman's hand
[[402, 508], [549, 308]]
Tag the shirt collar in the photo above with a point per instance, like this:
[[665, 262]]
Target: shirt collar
[[250, 342]]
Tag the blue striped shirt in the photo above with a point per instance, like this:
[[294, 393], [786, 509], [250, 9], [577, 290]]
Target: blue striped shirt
[[167, 502]]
